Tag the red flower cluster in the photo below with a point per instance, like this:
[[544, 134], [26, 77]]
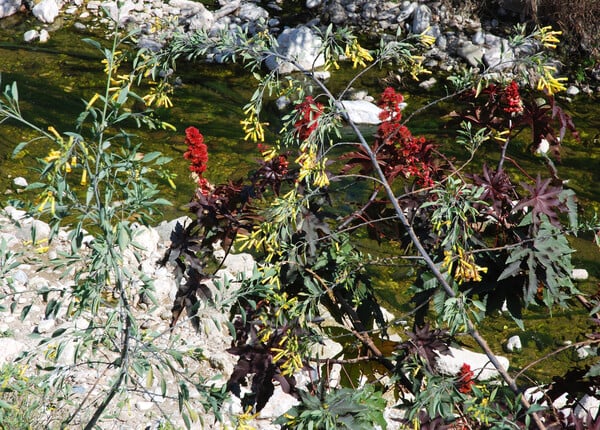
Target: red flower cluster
[[465, 379], [513, 98], [197, 153], [309, 111], [403, 153], [391, 103]]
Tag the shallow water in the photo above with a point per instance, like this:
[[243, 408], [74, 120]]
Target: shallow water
[[54, 78]]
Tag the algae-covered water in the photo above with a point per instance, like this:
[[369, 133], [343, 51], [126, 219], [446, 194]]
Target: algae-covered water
[[55, 80]]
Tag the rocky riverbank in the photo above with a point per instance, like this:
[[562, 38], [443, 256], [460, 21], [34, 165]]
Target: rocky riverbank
[[463, 40]]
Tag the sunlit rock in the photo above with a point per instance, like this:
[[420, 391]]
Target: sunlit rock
[[480, 363], [46, 11], [362, 111], [299, 44]]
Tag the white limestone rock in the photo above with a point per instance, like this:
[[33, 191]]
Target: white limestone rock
[[300, 44], [513, 344], [9, 7], [362, 111], [9, 349], [29, 36], [46, 11], [480, 364]]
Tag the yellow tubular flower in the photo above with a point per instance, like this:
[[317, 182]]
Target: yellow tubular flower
[[52, 156], [358, 54], [92, 101], [427, 39], [416, 67], [548, 37], [83, 177], [548, 83]]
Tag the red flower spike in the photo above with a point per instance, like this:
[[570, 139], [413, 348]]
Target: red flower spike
[[465, 379], [513, 98], [197, 151]]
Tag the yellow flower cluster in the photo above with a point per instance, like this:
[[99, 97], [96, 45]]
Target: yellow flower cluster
[[159, 94], [63, 159], [310, 165], [466, 270], [357, 54], [416, 67], [548, 37], [548, 83], [426, 39], [254, 130]]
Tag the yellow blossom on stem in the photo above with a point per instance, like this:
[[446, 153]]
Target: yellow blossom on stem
[[92, 101], [548, 83], [253, 128], [416, 67], [52, 156], [427, 39], [548, 37], [466, 270], [357, 54]]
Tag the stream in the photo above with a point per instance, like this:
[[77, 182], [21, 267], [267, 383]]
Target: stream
[[55, 80]]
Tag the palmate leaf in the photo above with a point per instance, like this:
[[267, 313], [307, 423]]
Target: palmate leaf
[[543, 199], [544, 265]]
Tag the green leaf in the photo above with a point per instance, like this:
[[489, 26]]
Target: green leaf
[[20, 147], [25, 312]]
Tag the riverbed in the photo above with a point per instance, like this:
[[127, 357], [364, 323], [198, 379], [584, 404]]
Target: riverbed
[[57, 78]]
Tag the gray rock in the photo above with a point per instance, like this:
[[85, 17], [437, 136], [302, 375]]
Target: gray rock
[[428, 84], [165, 228], [587, 405], [19, 181], [478, 38], [9, 349], [337, 12], [300, 44], [252, 12], [572, 90], [499, 56], [579, 274], [44, 35], [30, 36], [513, 344], [473, 54], [147, 238], [312, 4], [407, 10], [421, 19]]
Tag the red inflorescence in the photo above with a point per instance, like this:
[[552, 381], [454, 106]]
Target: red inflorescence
[[513, 98], [309, 111], [391, 105], [197, 151], [404, 153], [465, 379]]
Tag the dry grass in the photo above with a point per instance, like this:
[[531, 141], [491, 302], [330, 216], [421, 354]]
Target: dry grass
[[578, 19]]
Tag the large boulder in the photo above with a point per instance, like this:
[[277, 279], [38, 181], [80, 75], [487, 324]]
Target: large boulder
[[299, 44]]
